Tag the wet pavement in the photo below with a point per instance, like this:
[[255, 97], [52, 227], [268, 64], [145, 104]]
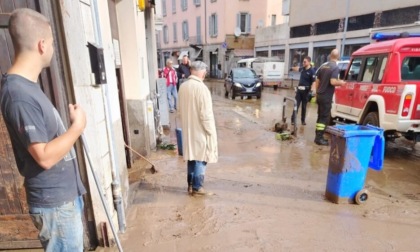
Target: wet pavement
[[269, 194]]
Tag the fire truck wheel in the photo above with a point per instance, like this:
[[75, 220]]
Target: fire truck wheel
[[372, 118]]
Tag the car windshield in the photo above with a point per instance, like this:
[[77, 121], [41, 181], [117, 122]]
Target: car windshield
[[244, 73]]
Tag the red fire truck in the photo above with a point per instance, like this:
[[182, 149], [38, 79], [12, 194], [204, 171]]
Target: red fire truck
[[383, 86]]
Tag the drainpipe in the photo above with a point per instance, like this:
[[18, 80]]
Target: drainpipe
[[205, 22], [116, 185], [345, 29]]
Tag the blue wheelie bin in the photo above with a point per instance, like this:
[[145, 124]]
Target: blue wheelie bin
[[354, 148]]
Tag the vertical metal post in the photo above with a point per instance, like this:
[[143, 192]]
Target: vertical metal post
[[343, 44]]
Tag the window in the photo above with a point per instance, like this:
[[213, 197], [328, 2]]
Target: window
[[197, 2], [185, 34], [382, 69], [410, 68], [175, 33], [370, 67], [165, 34], [243, 21], [273, 19], [353, 73], [262, 54], [184, 5], [173, 6], [213, 25], [198, 30], [164, 8]]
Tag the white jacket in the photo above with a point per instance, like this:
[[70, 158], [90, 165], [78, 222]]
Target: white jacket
[[199, 137]]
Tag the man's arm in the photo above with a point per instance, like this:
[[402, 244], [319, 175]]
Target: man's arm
[[315, 85], [337, 82], [49, 154]]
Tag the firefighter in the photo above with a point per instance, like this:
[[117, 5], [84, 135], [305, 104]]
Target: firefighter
[[326, 79]]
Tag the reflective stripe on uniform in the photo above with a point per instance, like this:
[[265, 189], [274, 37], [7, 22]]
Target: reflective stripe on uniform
[[320, 126]]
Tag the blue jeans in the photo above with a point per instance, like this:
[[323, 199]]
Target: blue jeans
[[171, 91], [60, 228], [196, 172]]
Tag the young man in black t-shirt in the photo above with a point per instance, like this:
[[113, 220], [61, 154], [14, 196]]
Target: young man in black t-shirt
[[43, 148]]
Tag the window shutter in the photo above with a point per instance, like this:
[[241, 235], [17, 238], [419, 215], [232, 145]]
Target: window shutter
[[238, 20], [175, 33], [210, 26], [164, 7], [215, 24], [187, 32], [198, 30], [248, 23]]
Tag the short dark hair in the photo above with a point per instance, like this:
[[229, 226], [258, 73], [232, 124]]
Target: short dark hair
[[26, 27], [308, 59]]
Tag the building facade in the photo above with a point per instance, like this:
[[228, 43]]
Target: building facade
[[214, 31], [116, 109], [305, 34]]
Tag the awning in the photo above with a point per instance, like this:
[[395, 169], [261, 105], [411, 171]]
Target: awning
[[243, 52], [182, 54], [197, 54]]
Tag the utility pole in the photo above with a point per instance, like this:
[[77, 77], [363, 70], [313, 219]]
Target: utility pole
[[343, 43]]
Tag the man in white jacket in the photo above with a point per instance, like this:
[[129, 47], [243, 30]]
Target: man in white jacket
[[199, 135]]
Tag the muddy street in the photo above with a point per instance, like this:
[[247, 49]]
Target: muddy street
[[269, 194]]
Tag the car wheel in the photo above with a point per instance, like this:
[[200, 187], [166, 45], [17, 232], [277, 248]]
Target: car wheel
[[371, 118], [232, 94]]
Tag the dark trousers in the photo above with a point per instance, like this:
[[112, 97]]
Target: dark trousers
[[324, 111], [301, 97]]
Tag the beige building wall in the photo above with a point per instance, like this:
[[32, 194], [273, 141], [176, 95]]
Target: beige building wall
[[302, 12], [134, 55], [84, 22]]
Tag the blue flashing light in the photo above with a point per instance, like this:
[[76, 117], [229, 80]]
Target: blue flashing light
[[394, 35]]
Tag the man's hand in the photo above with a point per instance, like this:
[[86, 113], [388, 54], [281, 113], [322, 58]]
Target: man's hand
[[77, 117]]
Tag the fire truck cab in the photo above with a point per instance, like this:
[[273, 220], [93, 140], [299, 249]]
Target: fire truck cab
[[383, 87]]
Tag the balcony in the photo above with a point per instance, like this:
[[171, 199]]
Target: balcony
[[196, 40]]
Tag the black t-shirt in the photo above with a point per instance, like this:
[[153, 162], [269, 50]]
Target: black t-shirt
[[184, 69], [325, 73], [307, 77], [30, 118]]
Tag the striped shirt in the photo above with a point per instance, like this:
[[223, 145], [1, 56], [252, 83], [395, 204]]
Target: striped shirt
[[170, 74]]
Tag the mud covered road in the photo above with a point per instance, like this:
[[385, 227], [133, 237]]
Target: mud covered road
[[269, 194]]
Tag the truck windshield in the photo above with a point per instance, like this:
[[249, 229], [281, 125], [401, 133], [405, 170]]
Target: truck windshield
[[410, 69]]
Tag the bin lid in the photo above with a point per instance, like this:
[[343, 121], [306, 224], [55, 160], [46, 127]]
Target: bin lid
[[351, 130]]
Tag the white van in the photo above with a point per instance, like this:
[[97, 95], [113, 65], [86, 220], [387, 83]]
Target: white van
[[271, 73], [245, 62]]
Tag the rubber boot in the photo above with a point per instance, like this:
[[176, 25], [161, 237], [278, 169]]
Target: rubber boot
[[319, 138]]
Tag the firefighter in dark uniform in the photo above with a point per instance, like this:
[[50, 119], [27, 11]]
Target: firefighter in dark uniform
[[326, 80], [307, 79]]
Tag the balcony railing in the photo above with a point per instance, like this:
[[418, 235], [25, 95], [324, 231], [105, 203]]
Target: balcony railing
[[196, 40]]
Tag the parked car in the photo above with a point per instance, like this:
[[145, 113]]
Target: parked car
[[342, 65], [242, 82]]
